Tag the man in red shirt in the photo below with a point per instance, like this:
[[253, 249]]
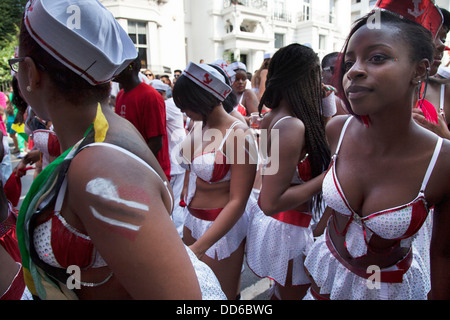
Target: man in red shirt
[[144, 107]]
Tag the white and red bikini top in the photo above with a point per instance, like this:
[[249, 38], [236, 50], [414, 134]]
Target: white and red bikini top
[[399, 223], [59, 244], [214, 166]]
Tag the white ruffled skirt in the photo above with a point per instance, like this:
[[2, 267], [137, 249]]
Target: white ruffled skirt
[[271, 244], [209, 284], [227, 244], [336, 280]]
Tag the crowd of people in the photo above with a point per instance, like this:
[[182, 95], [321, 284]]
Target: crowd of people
[[330, 177]]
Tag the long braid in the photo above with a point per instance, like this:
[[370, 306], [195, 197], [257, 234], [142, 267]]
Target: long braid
[[304, 95]]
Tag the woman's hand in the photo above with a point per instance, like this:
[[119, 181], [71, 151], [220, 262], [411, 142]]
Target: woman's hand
[[197, 251], [441, 128]]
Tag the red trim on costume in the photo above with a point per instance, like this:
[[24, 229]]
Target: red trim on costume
[[304, 170], [8, 240], [220, 169], [395, 276], [241, 109], [418, 216], [62, 57], [16, 289], [317, 296], [81, 251], [294, 217], [205, 214]]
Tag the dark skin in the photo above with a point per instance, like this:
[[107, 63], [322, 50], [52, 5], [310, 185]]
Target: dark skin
[[433, 95], [433, 91], [230, 195], [250, 99], [165, 270], [393, 152], [128, 80], [277, 193]]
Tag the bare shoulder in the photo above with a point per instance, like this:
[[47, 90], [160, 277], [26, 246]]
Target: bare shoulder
[[113, 160], [438, 188], [334, 128], [250, 94], [443, 160], [115, 167]]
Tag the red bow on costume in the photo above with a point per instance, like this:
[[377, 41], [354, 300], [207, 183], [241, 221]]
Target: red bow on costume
[[13, 187], [423, 12]]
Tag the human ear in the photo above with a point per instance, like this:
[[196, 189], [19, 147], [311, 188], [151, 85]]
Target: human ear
[[421, 71], [33, 75]]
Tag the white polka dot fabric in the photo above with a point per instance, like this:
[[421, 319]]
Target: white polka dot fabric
[[271, 244], [341, 284]]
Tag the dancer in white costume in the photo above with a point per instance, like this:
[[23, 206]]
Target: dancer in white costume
[[386, 173], [279, 233], [218, 154]]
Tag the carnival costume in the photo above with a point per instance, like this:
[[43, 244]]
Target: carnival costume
[[8, 240], [273, 241], [49, 248], [408, 279], [212, 167]]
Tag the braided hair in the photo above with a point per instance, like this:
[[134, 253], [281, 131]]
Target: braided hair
[[295, 75]]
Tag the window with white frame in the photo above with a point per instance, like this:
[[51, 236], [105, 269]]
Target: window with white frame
[[306, 12], [322, 42], [137, 31], [332, 11], [279, 9], [279, 40]]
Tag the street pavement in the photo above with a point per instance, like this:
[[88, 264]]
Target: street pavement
[[252, 287]]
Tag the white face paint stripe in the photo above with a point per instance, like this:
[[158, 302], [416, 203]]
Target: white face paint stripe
[[107, 190], [113, 222], [131, 204]]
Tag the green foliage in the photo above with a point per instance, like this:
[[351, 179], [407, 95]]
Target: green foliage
[[11, 12]]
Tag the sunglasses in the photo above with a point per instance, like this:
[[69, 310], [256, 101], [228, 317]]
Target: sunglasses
[[14, 64], [149, 74]]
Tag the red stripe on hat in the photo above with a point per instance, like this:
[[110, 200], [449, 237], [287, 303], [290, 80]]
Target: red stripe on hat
[[38, 38], [209, 87]]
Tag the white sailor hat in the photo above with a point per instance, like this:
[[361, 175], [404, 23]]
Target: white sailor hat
[[444, 72], [209, 79], [159, 85], [81, 34], [226, 68], [238, 66]]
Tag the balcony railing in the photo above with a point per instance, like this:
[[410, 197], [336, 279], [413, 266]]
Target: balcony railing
[[255, 4], [316, 16], [282, 16]]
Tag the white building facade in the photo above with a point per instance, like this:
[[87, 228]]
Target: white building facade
[[170, 33], [244, 30]]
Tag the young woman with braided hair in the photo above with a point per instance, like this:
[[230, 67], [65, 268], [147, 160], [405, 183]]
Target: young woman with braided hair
[[279, 229]]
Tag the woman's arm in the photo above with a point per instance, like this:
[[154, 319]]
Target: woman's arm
[[251, 101], [277, 194], [262, 83], [243, 172], [124, 209]]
